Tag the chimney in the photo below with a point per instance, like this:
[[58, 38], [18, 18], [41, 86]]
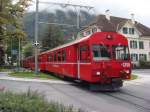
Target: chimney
[[107, 14], [132, 18]]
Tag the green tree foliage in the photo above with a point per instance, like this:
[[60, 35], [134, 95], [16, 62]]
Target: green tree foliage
[[28, 50], [52, 35], [3, 21], [52, 38], [10, 22], [59, 16]]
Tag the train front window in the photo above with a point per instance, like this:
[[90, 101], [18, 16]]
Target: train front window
[[121, 52], [101, 52]]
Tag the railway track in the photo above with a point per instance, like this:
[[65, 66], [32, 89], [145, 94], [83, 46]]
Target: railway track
[[126, 93], [119, 96], [74, 98], [142, 108]]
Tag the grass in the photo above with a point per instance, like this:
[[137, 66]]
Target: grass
[[40, 75], [32, 75], [30, 102], [133, 77], [5, 70]]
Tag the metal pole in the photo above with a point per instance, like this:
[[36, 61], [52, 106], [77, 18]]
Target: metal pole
[[19, 55], [36, 36], [78, 23], [11, 54], [78, 19]]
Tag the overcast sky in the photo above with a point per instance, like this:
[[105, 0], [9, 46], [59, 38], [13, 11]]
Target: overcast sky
[[120, 8]]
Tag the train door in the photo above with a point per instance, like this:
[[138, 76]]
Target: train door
[[78, 61], [83, 59]]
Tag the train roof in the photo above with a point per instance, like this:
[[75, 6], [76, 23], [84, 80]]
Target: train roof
[[68, 44], [73, 42]]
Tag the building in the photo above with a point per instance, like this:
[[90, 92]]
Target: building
[[138, 35]]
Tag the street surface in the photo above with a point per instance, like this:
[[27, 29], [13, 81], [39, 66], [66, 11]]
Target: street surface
[[134, 96]]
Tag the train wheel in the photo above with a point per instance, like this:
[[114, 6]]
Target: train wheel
[[66, 78]]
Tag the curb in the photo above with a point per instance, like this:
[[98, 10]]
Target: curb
[[5, 72], [33, 80]]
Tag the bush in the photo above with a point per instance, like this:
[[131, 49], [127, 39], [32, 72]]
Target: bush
[[5, 68], [30, 102], [144, 64]]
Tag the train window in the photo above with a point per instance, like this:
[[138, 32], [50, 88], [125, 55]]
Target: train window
[[39, 59], [59, 55], [101, 52], [121, 52], [33, 59], [125, 30], [55, 56], [94, 30], [50, 58], [63, 55], [84, 53]]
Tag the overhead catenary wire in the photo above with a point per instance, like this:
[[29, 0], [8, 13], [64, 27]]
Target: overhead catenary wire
[[36, 44]]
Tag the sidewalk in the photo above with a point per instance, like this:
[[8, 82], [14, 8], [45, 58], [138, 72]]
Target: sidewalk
[[5, 76], [143, 78]]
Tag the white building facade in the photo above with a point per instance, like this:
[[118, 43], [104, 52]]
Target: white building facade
[[137, 34], [139, 45]]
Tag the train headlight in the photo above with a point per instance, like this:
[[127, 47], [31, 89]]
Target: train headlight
[[109, 37], [98, 73], [127, 71]]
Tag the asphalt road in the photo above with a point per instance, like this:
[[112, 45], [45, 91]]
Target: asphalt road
[[134, 96], [141, 71]]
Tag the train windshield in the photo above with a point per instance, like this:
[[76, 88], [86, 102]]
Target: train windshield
[[120, 52], [101, 52]]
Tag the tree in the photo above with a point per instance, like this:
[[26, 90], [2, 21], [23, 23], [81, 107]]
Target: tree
[[3, 22], [53, 37], [10, 22], [28, 50], [59, 16]]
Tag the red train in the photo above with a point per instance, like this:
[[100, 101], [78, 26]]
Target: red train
[[101, 59]]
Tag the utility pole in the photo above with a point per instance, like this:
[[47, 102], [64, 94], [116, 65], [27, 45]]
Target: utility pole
[[78, 20], [36, 44]]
